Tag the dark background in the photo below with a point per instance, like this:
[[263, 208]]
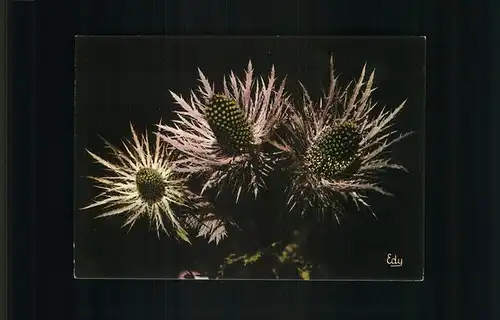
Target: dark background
[[459, 180], [126, 79]]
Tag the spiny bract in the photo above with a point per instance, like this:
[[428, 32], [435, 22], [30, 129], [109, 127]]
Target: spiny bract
[[229, 124], [335, 151]]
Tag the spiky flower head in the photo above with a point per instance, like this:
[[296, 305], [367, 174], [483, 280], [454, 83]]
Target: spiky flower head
[[141, 182], [221, 135], [335, 151], [229, 125], [339, 145]]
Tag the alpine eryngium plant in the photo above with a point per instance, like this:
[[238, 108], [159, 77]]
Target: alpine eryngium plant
[[331, 149], [339, 144], [141, 182], [223, 136]]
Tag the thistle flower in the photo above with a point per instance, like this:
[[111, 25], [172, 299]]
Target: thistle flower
[[141, 183], [222, 135], [339, 144]]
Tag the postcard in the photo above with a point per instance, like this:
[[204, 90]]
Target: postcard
[[249, 158]]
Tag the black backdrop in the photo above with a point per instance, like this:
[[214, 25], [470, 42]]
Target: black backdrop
[[126, 79], [458, 193]]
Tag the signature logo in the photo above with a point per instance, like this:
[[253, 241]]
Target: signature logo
[[394, 261]]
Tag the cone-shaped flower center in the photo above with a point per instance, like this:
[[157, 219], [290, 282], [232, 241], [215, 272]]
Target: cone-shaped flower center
[[150, 185], [229, 124], [335, 151]]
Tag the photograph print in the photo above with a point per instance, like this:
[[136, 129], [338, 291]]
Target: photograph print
[[249, 158]]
